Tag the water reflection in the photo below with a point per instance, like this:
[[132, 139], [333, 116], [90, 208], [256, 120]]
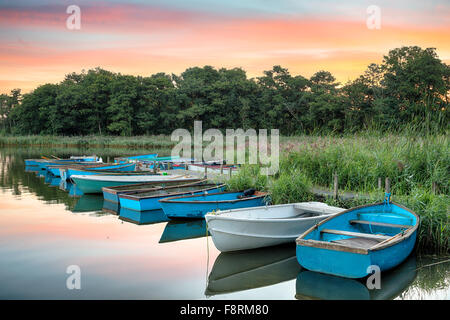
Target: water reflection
[[184, 229], [250, 269], [314, 285], [71, 189], [88, 202], [40, 237], [142, 217], [110, 207]]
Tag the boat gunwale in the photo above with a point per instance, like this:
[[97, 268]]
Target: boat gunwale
[[240, 219], [173, 199], [100, 176], [115, 189], [340, 247], [134, 194]]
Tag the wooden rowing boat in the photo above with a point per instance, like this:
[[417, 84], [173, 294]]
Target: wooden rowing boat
[[349, 243]]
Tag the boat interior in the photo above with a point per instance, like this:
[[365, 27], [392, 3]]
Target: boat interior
[[367, 229]]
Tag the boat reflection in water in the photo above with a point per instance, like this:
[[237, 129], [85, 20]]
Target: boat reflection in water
[[54, 182], [184, 229], [142, 217], [250, 269], [70, 188], [88, 203], [314, 285], [32, 169], [110, 207]]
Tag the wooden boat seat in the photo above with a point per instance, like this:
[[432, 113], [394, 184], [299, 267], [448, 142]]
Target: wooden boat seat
[[356, 234], [358, 242], [381, 224]]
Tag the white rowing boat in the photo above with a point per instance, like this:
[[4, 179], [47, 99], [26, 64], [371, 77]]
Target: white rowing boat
[[257, 227]]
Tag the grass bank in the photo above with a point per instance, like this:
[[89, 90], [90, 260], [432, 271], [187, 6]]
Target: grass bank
[[94, 141], [412, 163]]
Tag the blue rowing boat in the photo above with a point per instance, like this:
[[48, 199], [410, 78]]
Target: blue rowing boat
[[149, 200], [112, 194], [66, 172], [197, 206], [41, 163], [349, 244], [136, 158]]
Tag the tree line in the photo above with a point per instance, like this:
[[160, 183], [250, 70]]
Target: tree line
[[409, 88]]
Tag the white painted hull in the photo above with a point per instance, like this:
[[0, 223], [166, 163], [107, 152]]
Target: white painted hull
[[257, 227]]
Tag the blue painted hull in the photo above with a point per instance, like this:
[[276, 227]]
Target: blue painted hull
[[68, 172], [199, 206], [136, 158], [330, 253], [152, 203]]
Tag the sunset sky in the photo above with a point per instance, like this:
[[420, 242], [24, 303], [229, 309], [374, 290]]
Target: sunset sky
[[144, 37]]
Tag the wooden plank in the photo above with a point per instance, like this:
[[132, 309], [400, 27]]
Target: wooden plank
[[381, 224], [356, 234], [358, 242], [330, 246]]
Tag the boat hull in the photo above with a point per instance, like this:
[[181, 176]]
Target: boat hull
[[112, 194], [190, 208], [95, 183], [152, 203], [244, 229], [125, 168]]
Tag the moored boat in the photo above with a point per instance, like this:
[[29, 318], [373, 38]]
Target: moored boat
[[73, 159], [136, 158], [349, 243], [95, 183], [257, 227], [111, 194], [119, 169], [197, 206], [58, 169], [149, 200]]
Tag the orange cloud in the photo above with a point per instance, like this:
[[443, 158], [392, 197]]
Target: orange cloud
[[122, 39]]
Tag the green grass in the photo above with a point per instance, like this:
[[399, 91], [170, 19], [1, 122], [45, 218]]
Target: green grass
[[412, 163], [157, 141]]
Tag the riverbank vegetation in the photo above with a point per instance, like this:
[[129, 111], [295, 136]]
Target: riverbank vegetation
[[409, 87], [418, 167]]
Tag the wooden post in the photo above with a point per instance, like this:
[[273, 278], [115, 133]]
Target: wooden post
[[387, 185], [379, 182], [186, 167], [206, 172], [229, 171], [154, 167], [335, 192], [221, 169]]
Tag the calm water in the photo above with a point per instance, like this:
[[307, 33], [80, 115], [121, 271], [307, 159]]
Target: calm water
[[46, 226]]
